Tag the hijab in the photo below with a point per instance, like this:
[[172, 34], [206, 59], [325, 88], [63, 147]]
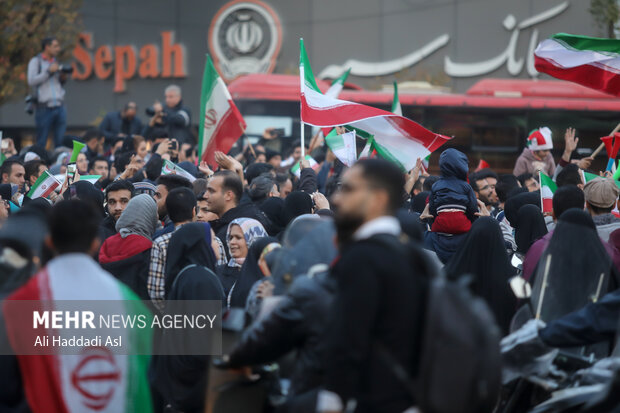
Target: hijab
[[250, 272], [190, 244], [252, 230], [483, 256], [574, 268], [87, 192], [297, 203], [274, 209], [138, 218], [531, 227], [514, 203]]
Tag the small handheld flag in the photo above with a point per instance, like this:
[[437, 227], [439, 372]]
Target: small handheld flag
[[547, 189]]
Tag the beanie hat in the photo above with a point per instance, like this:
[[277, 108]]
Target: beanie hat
[[540, 139]]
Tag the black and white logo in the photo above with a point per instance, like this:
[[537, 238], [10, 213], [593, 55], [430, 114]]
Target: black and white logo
[[245, 37]]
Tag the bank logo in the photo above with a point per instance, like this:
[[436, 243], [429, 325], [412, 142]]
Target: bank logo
[[245, 37]]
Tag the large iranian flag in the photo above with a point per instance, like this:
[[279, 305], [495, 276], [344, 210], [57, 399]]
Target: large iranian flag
[[589, 61], [396, 138], [337, 85], [92, 378], [547, 189], [221, 122]]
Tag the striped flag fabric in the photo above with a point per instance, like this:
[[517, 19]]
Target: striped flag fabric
[[547, 189], [396, 108], [588, 61], [295, 170], [94, 378], [337, 85], [343, 146], [171, 168], [221, 122], [44, 186], [90, 178], [396, 138]]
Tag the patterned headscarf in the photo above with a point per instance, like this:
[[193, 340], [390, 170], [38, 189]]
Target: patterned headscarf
[[252, 229]]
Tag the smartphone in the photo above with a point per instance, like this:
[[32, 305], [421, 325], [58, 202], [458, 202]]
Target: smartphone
[[5, 144], [71, 168], [174, 145]]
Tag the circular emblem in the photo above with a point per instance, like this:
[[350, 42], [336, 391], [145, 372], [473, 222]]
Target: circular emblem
[[210, 118], [245, 37], [96, 377]]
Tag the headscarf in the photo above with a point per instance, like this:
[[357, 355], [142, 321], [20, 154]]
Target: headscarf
[[190, 244], [483, 256], [274, 209], [297, 203], [252, 230], [139, 217], [574, 269], [514, 203], [250, 272], [418, 202], [531, 227], [87, 192]]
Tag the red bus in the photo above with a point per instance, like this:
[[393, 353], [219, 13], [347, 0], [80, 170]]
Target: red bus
[[490, 121]]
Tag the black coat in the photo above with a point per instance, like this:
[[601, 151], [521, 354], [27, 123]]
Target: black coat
[[107, 228], [112, 124], [378, 300], [297, 323]]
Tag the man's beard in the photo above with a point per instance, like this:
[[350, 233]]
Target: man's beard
[[346, 227]]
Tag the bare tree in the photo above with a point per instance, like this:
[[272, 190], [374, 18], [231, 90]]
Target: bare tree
[[606, 14]]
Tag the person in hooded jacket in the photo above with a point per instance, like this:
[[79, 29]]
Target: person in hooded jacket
[[483, 256], [126, 255]]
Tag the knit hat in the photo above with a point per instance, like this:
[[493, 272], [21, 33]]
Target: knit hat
[[601, 192], [540, 139]]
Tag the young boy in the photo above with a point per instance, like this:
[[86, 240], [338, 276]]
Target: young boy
[[452, 200]]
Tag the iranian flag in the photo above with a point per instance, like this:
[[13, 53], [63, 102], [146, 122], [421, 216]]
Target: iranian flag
[[90, 178], [295, 170], [337, 85], [396, 108], [221, 122], [170, 168], [343, 146], [547, 189], [396, 138], [44, 186], [589, 61], [86, 377]]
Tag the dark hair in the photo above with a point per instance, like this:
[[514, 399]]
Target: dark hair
[[122, 160], [90, 134], [180, 204], [525, 177], [486, 173], [565, 198], [473, 177], [47, 41], [256, 169], [428, 183], [569, 175], [7, 166], [188, 151], [599, 210], [98, 158], [384, 175], [505, 184], [119, 185], [74, 224], [417, 186], [231, 182], [260, 187], [32, 168], [199, 186], [173, 182]]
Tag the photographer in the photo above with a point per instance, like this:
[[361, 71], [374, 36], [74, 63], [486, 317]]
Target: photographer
[[175, 117], [46, 76]]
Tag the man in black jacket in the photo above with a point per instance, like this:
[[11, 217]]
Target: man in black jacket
[[121, 124], [117, 196], [224, 198], [379, 300]]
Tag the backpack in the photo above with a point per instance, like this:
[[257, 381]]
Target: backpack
[[459, 360]]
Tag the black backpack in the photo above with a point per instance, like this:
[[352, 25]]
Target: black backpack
[[459, 361]]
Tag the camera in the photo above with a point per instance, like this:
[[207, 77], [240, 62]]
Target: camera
[[30, 101], [149, 112], [67, 69]]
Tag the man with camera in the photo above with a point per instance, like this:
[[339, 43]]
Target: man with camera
[[46, 76], [175, 117]]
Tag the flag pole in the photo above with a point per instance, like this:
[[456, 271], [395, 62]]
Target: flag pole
[[301, 122]]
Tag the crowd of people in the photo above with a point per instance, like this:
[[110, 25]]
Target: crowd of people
[[311, 259]]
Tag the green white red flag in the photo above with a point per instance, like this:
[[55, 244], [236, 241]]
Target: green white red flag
[[170, 168], [589, 61], [221, 123], [397, 138], [343, 146], [337, 85], [396, 108], [44, 186], [295, 170], [90, 178], [547, 189]]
